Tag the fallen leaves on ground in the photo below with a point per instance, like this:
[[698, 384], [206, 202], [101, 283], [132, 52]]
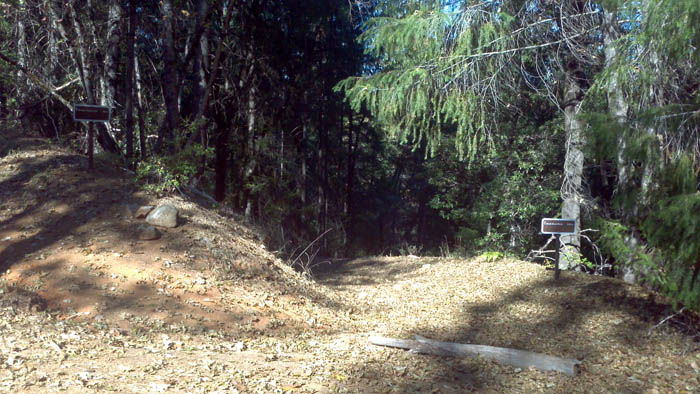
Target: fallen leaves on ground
[[86, 306]]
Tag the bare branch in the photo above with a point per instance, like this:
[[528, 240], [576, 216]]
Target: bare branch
[[53, 91]]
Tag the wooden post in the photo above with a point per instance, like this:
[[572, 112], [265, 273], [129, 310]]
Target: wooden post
[[556, 257], [91, 146]]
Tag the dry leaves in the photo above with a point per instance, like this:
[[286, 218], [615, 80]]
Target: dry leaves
[[254, 325]]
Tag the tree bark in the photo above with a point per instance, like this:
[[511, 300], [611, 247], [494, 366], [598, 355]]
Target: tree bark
[[302, 181], [252, 146], [81, 56], [111, 62], [223, 126], [322, 174], [104, 137], [213, 74], [200, 50], [52, 45], [139, 106], [618, 108], [21, 50], [130, 79], [571, 190], [169, 75], [350, 173]]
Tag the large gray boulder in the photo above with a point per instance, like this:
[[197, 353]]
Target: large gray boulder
[[163, 216]]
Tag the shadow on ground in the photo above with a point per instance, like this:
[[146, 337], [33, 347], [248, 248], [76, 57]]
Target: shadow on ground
[[363, 272], [68, 235], [607, 324]]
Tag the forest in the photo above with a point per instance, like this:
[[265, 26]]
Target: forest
[[350, 128]]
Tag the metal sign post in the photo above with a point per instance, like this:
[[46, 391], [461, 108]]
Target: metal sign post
[[557, 227], [91, 113]]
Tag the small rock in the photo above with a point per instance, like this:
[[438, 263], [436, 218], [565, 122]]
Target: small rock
[[163, 216], [143, 211], [148, 233]]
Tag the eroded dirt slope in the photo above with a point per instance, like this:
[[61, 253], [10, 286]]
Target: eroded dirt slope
[[69, 235]]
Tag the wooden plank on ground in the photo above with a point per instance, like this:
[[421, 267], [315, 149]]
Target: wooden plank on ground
[[513, 357]]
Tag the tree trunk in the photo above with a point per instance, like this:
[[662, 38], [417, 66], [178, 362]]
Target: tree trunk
[[213, 74], [221, 162], [200, 50], [94, 52], [85, 80], [51, 44], [350, 173], [111, 62], [139, 105], [654, 100], [130, 79], [322, 174], [21, 50], [281, 155], [618, 108], [84, 65], [302, 181], [252, 147], [348, 205], [571, 191], [169, 75]]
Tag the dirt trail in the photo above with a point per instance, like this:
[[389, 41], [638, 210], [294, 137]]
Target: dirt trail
[[85, 305]]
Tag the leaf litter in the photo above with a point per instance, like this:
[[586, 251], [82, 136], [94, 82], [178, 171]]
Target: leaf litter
[[86, 306]]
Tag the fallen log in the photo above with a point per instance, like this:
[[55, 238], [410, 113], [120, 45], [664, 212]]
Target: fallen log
[[513, 357]]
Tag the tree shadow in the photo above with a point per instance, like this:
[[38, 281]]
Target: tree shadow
[[48, 199], [557, 318], [364, 272]]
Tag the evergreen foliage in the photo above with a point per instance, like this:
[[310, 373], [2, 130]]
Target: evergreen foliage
[[673, 229], [652, 153], [497, 202], [429, 77]]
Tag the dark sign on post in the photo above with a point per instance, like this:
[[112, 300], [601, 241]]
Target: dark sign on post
[[91, 113], [558, 226]]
